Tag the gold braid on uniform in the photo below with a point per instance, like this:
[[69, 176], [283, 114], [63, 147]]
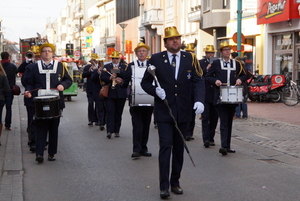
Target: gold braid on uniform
[[196, 65], [241, 67], [65, 68], [126, 66]]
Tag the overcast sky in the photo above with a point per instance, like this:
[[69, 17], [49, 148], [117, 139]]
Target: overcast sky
[[24, 18]]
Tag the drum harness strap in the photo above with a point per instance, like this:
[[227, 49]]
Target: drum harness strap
[[47, 72], [228, 68]]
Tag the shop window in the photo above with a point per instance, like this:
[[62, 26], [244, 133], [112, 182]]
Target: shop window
[[297, 35], [283, 64], [284, 42]]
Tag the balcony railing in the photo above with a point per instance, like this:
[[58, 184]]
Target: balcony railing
[[195, 14], [153, 16]]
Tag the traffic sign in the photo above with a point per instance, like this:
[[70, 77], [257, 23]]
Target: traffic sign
[[77, 53], [234, 37]]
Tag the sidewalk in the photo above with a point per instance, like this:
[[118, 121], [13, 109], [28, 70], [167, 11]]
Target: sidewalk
[[11, 183]]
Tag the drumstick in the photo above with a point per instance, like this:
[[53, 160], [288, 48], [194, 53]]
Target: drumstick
[[32, 90]]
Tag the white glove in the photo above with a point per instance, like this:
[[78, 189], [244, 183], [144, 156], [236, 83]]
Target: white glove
[[160, 93], [199, 107]]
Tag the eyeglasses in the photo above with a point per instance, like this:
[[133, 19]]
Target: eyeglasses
[[227, 49], [114, 58], [142, 51], [47, 51]]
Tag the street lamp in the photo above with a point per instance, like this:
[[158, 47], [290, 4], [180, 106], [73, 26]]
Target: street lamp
[[80, 15], [123, 25]]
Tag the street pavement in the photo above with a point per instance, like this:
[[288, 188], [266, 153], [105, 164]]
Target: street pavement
[[270, 134]]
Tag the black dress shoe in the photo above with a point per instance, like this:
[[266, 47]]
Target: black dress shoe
[[207, 144], [96, 124], [51, 158], [230, 150], [147, 154], [223, 151], [108, 135], [164, 193], [90, 123], [39, 158], [32, 148], [117, 135], [101, 127], [176, 190], [212, 144], [135, 155], [188, 138]]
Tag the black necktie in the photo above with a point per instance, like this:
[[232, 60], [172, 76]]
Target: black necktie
[[174, 63], [142, 64], [47, 66]]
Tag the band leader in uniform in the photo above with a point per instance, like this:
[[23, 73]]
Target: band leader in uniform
[[180, 77]]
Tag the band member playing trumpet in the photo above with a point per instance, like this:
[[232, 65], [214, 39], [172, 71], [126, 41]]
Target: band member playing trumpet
[[225, 71], [140, 114], [118, 75]]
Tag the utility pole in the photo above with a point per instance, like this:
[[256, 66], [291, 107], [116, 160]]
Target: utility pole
[[239, 27]]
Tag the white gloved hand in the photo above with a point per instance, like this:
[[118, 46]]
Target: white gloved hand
[[199, 107], [160, 93]]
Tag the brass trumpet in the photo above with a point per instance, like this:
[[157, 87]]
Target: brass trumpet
[[114, 83]]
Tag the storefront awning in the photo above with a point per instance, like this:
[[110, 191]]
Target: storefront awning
[[270, 11]]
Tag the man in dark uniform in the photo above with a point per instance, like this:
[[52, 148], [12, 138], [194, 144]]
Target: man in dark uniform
[[11, 72], [47, 74], [229, 72], [87, 72], [141, 112], [97, 85], [28, 102], [118, 75], [180, 77], [210, 114]]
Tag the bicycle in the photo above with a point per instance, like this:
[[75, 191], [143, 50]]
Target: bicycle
[[291, 94]]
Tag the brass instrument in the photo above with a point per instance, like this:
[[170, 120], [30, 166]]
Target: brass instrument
[[29, 54], [114, 83]]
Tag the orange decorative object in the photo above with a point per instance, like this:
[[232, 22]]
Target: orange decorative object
[[90, 29], [129, 47], [109, 52]]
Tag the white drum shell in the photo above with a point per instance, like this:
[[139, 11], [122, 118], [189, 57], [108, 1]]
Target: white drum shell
[[231, 94], [138, 96]]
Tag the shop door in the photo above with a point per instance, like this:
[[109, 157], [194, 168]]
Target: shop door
[[297, 69]]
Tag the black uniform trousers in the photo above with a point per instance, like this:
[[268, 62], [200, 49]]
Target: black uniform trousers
[[170, 142], [190, 130], [226, 113], [42, 128], [92, 114], [141, 119], [209, 122], [114, 111], [31, 129]]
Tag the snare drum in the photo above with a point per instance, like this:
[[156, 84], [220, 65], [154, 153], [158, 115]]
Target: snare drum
[[46, 107], [138, 96], [231, 94]]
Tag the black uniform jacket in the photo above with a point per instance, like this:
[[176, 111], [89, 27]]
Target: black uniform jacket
[[120, 90], [209, 88], [216, 73], [33, 80], [180, 92]]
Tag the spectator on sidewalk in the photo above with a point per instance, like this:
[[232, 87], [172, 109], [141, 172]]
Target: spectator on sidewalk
[[11, 72], [4, 86]]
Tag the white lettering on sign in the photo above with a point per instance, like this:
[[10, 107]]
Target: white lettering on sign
[[276, 7]]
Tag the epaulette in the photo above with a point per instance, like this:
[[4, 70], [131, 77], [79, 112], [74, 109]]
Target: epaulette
[[196, 65]]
